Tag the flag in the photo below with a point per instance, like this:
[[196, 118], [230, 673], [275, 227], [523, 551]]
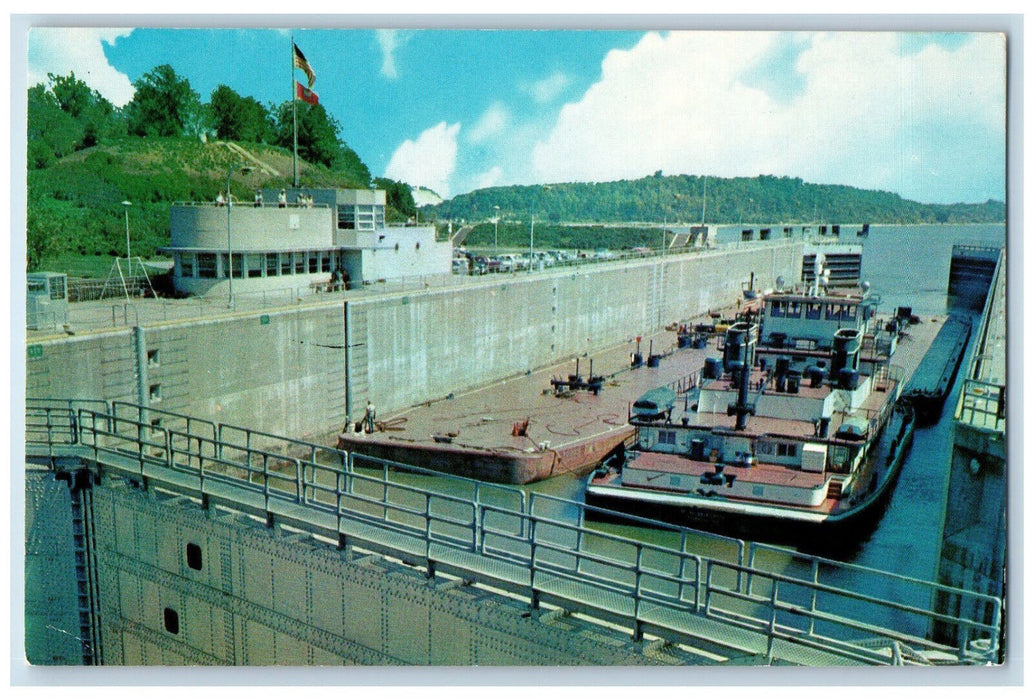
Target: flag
[[305, 94], [300, 62]]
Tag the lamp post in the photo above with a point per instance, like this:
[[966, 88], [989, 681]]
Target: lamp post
[[229, 251], [531, 239], [129, 258], [496, 231]]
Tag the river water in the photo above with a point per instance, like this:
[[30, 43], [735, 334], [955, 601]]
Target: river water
[[907, 266]]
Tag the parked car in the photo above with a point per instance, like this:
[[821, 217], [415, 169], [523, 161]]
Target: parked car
[[508, 262], [603, 254], [460, 266]]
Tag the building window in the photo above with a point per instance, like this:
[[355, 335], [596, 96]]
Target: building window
[[271, 265], [153, 358], [254, 264], [155, 392], [206, 265], [57, 287], [285, 264], [666, 437], [194, 556], [786, 449], [186, 265], [314, 262], [172, 621], [365, 217], [346, 217], [299, 263], [325, 261]]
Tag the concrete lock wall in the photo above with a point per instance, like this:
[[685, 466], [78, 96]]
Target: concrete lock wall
[[284, 371], [247, 595], [409, 348]]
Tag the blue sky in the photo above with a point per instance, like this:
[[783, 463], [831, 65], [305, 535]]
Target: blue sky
[[919, 114]]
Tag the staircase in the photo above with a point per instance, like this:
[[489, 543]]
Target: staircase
[[836, 488]]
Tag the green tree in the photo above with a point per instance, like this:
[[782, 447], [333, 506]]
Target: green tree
[[237, 118], [318, 140], [398, 194], [164, 104], [52, 133]]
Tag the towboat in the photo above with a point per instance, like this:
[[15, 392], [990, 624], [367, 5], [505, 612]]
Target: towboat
[[794, 429]]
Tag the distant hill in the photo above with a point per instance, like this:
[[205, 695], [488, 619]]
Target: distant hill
[[423, 197], [75, 204], [764, 199]]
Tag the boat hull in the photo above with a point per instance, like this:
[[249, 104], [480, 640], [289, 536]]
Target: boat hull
[[809, 529], [502, 466]]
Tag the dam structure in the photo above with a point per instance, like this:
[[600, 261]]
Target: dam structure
[[182, 506], [974, 546], [186, 544], [302, 365]]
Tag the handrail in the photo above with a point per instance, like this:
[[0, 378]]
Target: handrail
[[645, 577]]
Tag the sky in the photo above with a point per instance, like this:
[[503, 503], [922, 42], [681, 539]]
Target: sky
[[918, 114]]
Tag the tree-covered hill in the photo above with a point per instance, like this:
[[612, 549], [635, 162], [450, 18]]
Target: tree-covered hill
[[764, 199], [85, 157], [74, 206]]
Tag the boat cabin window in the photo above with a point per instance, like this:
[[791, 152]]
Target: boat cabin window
[[778, 309], [793, 309], [813, 311], [666, 437]]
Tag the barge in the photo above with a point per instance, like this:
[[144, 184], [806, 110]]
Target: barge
[[558, 420], [936, 374], [794, 433]]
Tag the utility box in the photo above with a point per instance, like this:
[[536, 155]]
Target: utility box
[[813, 458], [46, 300]]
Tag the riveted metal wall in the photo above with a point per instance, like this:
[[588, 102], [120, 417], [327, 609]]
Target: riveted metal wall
[[52, 634], [251, 595]]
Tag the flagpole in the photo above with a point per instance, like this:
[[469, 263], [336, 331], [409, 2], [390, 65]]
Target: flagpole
[[294, 114]]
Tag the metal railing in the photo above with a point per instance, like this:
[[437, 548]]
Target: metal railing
[[982, 405], [495, 535]]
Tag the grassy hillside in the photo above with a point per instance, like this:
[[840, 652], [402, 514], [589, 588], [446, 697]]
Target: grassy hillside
[[75, 205]]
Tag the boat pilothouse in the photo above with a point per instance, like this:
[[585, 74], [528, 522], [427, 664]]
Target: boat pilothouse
[[785, 425]]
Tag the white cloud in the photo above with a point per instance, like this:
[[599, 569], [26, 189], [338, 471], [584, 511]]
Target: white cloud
[[929, 126], [61, 50], [547, 89], [389, 40], [429, 161], [490, 178], [492, 123]]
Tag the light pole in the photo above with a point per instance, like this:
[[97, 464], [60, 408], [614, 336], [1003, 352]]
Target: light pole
[[229, 251], [129, 258], [531, 239], [496, 231]]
